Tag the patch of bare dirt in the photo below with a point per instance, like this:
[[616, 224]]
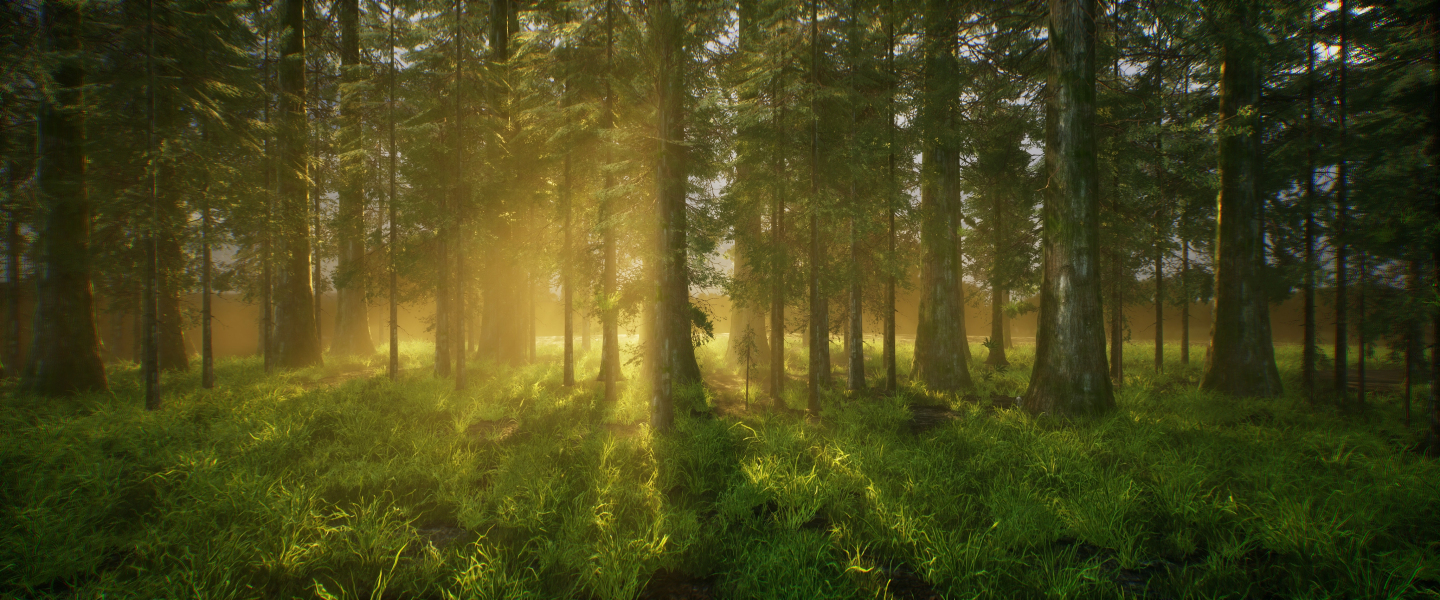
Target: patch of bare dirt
[[666, 584]]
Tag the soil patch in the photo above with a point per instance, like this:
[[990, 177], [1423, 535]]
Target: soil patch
[[666, 584], [904, 583]]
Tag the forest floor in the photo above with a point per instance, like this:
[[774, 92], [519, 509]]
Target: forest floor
[[335, 482]]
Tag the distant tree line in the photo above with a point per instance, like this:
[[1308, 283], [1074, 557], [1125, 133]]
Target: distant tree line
[[475, 154]]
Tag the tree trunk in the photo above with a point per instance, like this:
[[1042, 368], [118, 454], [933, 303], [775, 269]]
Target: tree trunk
[[819, 371], [530, 317], [941, 348], [1342, 250], [174, 352], [296, 333], [392, 233], [1159, 309], [1432, 439], [1070, 376], [998, 297], [267, 245], [207, 338], [779, 254], [748, 344], [352, 320], [462, 203], [1308, 352], [891, 383], [503, 326], [609, 303], [1117, 318], [567, 285], [673, 353], [1360, 331], [13, 359], [1241, 359], [1185, 302], [747, 322], [856, 330], [65, 357]]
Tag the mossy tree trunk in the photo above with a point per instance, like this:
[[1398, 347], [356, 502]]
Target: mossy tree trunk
[[1070, 375]]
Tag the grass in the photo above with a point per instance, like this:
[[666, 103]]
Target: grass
[[337, 483]]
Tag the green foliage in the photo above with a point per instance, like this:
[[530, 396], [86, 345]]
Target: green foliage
[[336, 483]]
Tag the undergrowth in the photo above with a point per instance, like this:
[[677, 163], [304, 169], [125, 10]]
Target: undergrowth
[[335, 482]]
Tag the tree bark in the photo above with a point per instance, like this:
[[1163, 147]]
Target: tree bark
[[673, 352], [352, 319], [888, 352], [1117, 317], [392, 233], [207, 337], [995, 357], [1308, 352], [13, 358], [819, 367], [1070, 375], [462, 202], [1342, 250], [567, 285], [1241, 359], [174, 352], [609, 301], [941, 348], [503, 325], [1159, 308], [779, 253], [746, 320], [65, 356], [296, 333], [267, 245], [855, 327], [1185, 301], [855, 332]]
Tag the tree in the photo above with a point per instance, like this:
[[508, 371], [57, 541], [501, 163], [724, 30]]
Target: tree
[[818, 373], [296, 332], [673, 352], [1070, 376], [1241, 359], [65, 357], [352, 320], [941, 348]]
